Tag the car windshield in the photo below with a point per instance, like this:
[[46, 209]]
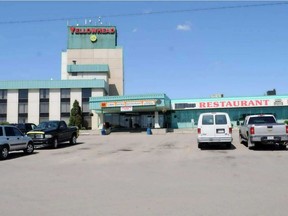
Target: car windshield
[[45, 125]]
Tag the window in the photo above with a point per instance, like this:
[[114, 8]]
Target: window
[[220, 119], [23, 93], [17, 132], [86, 92], [262, 120], [1, 131], [9, 131], [65, 107], [23, 108], [85, 107], [66, 119], [184, 105], [87, 122], [62, 125], [3, 119], [44, 107], [65, 93], [44, 93], [207, 120], [22, 119], [3, 94], [3, 108], [42, 119]]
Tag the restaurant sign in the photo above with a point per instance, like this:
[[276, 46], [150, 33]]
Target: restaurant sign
[[231, 103]]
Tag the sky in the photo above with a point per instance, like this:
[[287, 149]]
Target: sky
[[200, 49]]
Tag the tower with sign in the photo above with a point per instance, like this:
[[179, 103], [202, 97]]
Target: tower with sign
[[92, 53]]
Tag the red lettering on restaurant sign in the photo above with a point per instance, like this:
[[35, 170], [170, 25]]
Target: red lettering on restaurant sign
[[202, 105], [226, 104], [75, 30]]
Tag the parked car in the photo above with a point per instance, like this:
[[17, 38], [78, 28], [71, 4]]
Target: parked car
[[12, 139], [263, 129], [53, 133], [214, 128], [25, 127]]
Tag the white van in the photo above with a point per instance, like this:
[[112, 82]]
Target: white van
[[214, 128]]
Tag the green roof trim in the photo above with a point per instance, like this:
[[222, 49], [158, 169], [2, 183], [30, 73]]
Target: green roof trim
[[191, 100], [40, 84], [89, 68], [130, 97]]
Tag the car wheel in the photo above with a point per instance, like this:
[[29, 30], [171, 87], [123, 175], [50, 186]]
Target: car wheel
[[30, 148], [55, 143], [200, 145], [73, 139], [4, 152]]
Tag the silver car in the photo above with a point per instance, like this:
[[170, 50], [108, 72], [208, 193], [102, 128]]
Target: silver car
[[12, 139]]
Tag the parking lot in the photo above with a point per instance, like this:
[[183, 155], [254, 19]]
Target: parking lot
[[137, 174]]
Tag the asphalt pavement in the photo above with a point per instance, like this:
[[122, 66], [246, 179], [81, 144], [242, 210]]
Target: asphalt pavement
[[139, 174]]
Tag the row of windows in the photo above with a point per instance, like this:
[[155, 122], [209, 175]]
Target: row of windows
[[44, 107], [236, 114], [44, 100], [44, 93]]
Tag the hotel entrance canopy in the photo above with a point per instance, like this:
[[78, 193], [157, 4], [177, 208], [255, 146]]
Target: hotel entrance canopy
[[133, 103]]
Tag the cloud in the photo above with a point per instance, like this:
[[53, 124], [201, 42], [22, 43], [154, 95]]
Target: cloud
[[134, 30], [147, 11], [184, 27]]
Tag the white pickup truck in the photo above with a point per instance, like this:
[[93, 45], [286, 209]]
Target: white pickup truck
[[263, 129]]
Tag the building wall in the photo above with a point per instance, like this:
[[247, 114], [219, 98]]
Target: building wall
[[112, 57], [54, 104]]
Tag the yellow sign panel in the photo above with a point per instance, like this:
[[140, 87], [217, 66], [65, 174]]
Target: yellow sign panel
[[128, 103]]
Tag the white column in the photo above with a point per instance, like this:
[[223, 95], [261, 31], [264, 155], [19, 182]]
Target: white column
[[54, 104], [64, 74], [94, 120], [33, 106], [97, 118], [75, 94], [12, 106], [100, 120], [156, 119]]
